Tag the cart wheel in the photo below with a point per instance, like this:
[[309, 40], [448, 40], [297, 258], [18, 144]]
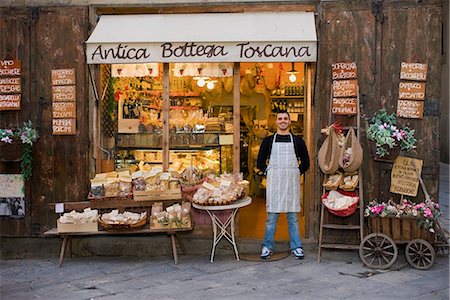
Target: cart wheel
[[378, 251], [420, 254]]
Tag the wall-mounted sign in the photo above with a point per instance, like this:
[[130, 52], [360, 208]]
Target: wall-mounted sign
[[64, 93], [413, 71], [64, 126], [405, 176], [345, 88], [410, 109], [344, 70], [64, 110], [10, 85], [10, 102], [63, 77], [344, 106], [10, 67], [411, 90]]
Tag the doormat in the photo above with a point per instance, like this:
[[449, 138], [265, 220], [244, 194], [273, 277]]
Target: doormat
[[255, 256]]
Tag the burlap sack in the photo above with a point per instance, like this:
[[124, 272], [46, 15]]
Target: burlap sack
[[328, 157], [356, 157]]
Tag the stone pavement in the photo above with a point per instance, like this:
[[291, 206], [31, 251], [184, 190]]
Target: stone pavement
[[340, 275]]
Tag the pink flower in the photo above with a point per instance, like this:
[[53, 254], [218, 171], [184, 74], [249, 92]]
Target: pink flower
[[6, 139], [427, 213], [8, 131], [397, 135]]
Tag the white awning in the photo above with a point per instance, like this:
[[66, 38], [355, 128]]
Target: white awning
[[212, 37]]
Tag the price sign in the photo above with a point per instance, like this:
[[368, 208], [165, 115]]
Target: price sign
[[413, 71], [10, 85], [64, 126], [10, 67], [64, 110], [405, 177], [344, 70], [410, 109], [345, 88], [411, 90], [10, 102], [63, 77], [344, 106], [64, 93]]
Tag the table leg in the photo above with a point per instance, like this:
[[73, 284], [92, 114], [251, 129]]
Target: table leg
[[70, 246], [232, 234], [180, 242], [174, 248], [63, 250], [214, 227]]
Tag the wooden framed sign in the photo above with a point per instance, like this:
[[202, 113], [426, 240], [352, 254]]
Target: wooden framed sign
[[413, 71], [64, 126], [10, 85], [345, 88], [10, 67], [344, 70], [63, 77], [411, 90], [410, 109], [64, 93], [404, 178], [10, 102], [344, 106], [64, 110]]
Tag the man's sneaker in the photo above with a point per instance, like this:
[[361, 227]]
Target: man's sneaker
[[266, 253], [298, 253]]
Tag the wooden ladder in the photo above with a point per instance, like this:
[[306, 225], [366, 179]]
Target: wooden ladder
[[324, 211]]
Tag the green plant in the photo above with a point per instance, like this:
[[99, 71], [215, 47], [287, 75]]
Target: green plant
[[26, 135], [384, 132]]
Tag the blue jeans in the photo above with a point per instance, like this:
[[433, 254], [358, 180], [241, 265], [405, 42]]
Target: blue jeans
[[271, 225]]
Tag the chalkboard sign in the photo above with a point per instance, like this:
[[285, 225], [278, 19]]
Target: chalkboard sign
[[64, 93], [344, 106], [413, 71], [64, 126], [405, 177], [345, 88], [411, 90], [10, 67], [344, 70], [64, 110], [63, 77], [410, 109], [10, 102]]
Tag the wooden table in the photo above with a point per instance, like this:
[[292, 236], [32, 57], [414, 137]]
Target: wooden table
[[223, 226], [67, 238]]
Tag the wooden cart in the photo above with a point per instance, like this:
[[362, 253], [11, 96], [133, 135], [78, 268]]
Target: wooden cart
[[378, 250]]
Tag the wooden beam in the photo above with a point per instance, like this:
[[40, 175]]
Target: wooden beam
[[165, 116], [236, 117]]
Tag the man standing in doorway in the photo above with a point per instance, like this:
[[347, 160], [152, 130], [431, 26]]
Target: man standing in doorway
[[283, 157]]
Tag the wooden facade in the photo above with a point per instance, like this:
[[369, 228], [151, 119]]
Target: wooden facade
[[377, 35]]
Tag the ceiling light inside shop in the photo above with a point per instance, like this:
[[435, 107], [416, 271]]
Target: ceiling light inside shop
[[210, 85], [201, 82], [292, 72]]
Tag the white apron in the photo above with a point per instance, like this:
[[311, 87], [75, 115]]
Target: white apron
[[283, 179]]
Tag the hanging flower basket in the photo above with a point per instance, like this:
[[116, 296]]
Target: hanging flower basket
[[389, 158]]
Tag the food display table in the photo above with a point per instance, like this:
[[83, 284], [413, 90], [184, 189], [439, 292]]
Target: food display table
[[223, 226]]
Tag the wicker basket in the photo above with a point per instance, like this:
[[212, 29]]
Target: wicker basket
[[328, 156], [353, 184], [347, 211], [123, 227], [351, 141], [334, 186]]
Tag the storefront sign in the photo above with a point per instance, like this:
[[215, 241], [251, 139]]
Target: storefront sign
[[345, 88], [344, 70], [63, 77], [344, 106], [405, 176], [411, 90], [10, 102], [62, 110], [413, 71], [410, 109], [64, 126], [200, 52], [64, 93], [10, 67], [10, 85]]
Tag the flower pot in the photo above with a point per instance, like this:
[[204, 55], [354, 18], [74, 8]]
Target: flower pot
[[390, 158], [11, 152]]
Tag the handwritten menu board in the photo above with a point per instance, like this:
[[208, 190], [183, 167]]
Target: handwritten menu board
[[345, 88], [411, 90], [64, 102], [405, 176], [10, 84]]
